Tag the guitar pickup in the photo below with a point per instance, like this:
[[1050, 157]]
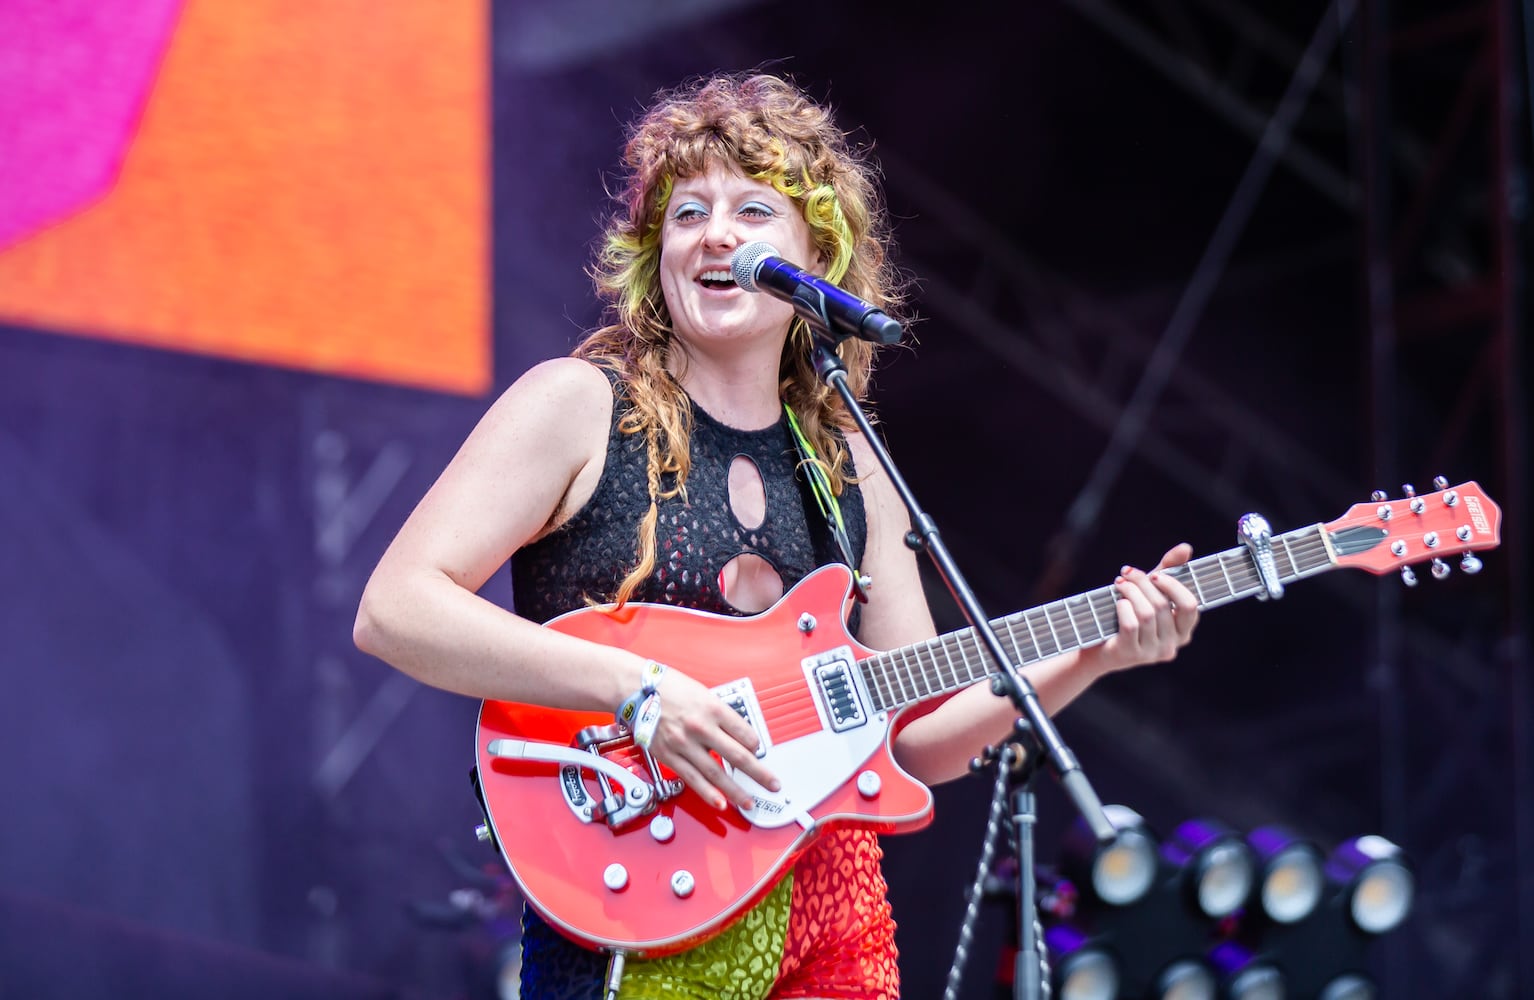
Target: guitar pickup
[[740, 697], [842, 699]]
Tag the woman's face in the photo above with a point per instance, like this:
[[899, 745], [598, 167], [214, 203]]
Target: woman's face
[[709, 217]]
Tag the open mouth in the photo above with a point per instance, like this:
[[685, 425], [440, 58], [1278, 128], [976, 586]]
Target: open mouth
[[717, 280]]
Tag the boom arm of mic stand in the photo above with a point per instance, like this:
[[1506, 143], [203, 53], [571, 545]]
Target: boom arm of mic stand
[[1010, 679]]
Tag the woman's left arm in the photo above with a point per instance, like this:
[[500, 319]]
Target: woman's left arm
[[1156, 617]]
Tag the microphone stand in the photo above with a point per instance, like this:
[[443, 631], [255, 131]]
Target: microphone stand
[[1008, 680]]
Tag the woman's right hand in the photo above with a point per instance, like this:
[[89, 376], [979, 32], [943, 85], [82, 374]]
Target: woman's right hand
[[696, 731]]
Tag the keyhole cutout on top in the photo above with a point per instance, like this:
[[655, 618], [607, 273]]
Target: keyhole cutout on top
[[749, 582], [748, 494]]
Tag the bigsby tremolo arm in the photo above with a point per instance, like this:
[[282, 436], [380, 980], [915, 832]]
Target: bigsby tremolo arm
[[1257, 536], [632, 799]]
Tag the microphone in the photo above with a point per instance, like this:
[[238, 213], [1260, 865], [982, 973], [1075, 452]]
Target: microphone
[[756, 267]]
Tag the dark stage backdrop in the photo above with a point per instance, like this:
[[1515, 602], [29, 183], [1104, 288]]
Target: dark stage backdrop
[[261, 271]]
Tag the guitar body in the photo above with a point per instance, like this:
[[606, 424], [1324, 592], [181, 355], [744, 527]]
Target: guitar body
[[786, 670]]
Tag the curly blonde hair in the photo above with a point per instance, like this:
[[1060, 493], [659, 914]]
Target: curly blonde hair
[[770, 131]]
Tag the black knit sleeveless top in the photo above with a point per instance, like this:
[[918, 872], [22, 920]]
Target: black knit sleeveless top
[[591, 553]]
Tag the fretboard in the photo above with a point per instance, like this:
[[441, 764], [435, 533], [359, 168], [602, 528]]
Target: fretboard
[[958, 659]]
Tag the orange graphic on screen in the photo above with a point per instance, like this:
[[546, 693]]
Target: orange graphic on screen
[[288, 183]]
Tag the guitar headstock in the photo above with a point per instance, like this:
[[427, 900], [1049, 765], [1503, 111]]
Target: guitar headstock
[[1384, 536]]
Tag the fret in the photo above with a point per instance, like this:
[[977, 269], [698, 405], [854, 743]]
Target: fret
[[1027, 652], [1198, 591], [1092, 604], [907, 679], [876, 678], [928, 674], [1251, 581], [969, 668], [905, 669], [1052, 613], [922, 674], [1053, 635], [1214, 582], [1315, 556], [953, 670], [1071, 617], [1297, 544], [897, 680], [920, 671], [1282, 549], [1230, 585], [1038, 649], [1109, 598], [1089, 602], [1003, 627]]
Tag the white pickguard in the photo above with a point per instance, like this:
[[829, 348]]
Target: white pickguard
[[811, 767]]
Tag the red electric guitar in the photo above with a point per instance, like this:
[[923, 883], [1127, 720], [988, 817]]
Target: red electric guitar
[[616, 859]]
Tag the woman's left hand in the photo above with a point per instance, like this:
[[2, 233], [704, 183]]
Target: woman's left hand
[[1157, 616]]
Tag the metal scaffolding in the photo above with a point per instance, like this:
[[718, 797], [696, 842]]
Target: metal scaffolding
[[1420, 131]]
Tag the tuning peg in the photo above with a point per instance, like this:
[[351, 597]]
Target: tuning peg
[[1408, 490], [1379, 496], [1440, 483], [1408, 577], [1471, 563], [1440, 569]]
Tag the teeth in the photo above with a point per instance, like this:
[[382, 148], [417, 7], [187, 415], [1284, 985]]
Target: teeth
[[716, 276]]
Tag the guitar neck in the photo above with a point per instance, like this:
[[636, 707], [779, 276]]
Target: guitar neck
[[958, 659]]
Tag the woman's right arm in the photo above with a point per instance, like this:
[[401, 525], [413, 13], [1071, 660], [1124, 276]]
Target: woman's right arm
[[537, 450]]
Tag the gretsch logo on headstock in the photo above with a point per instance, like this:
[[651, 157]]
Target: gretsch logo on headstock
[[1477, 516]]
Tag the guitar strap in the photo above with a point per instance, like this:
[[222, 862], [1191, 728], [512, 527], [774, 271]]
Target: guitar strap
[[825, 499]]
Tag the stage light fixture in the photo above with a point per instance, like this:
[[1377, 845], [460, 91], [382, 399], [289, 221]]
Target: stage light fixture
[[1212, 913], [1257, 982], [1216, 863], [1290, 874], [1083, 969], [1376, 882], [1119, 872], [1186, 979], [1246, 974], [1154, 908], [1348, 987]]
